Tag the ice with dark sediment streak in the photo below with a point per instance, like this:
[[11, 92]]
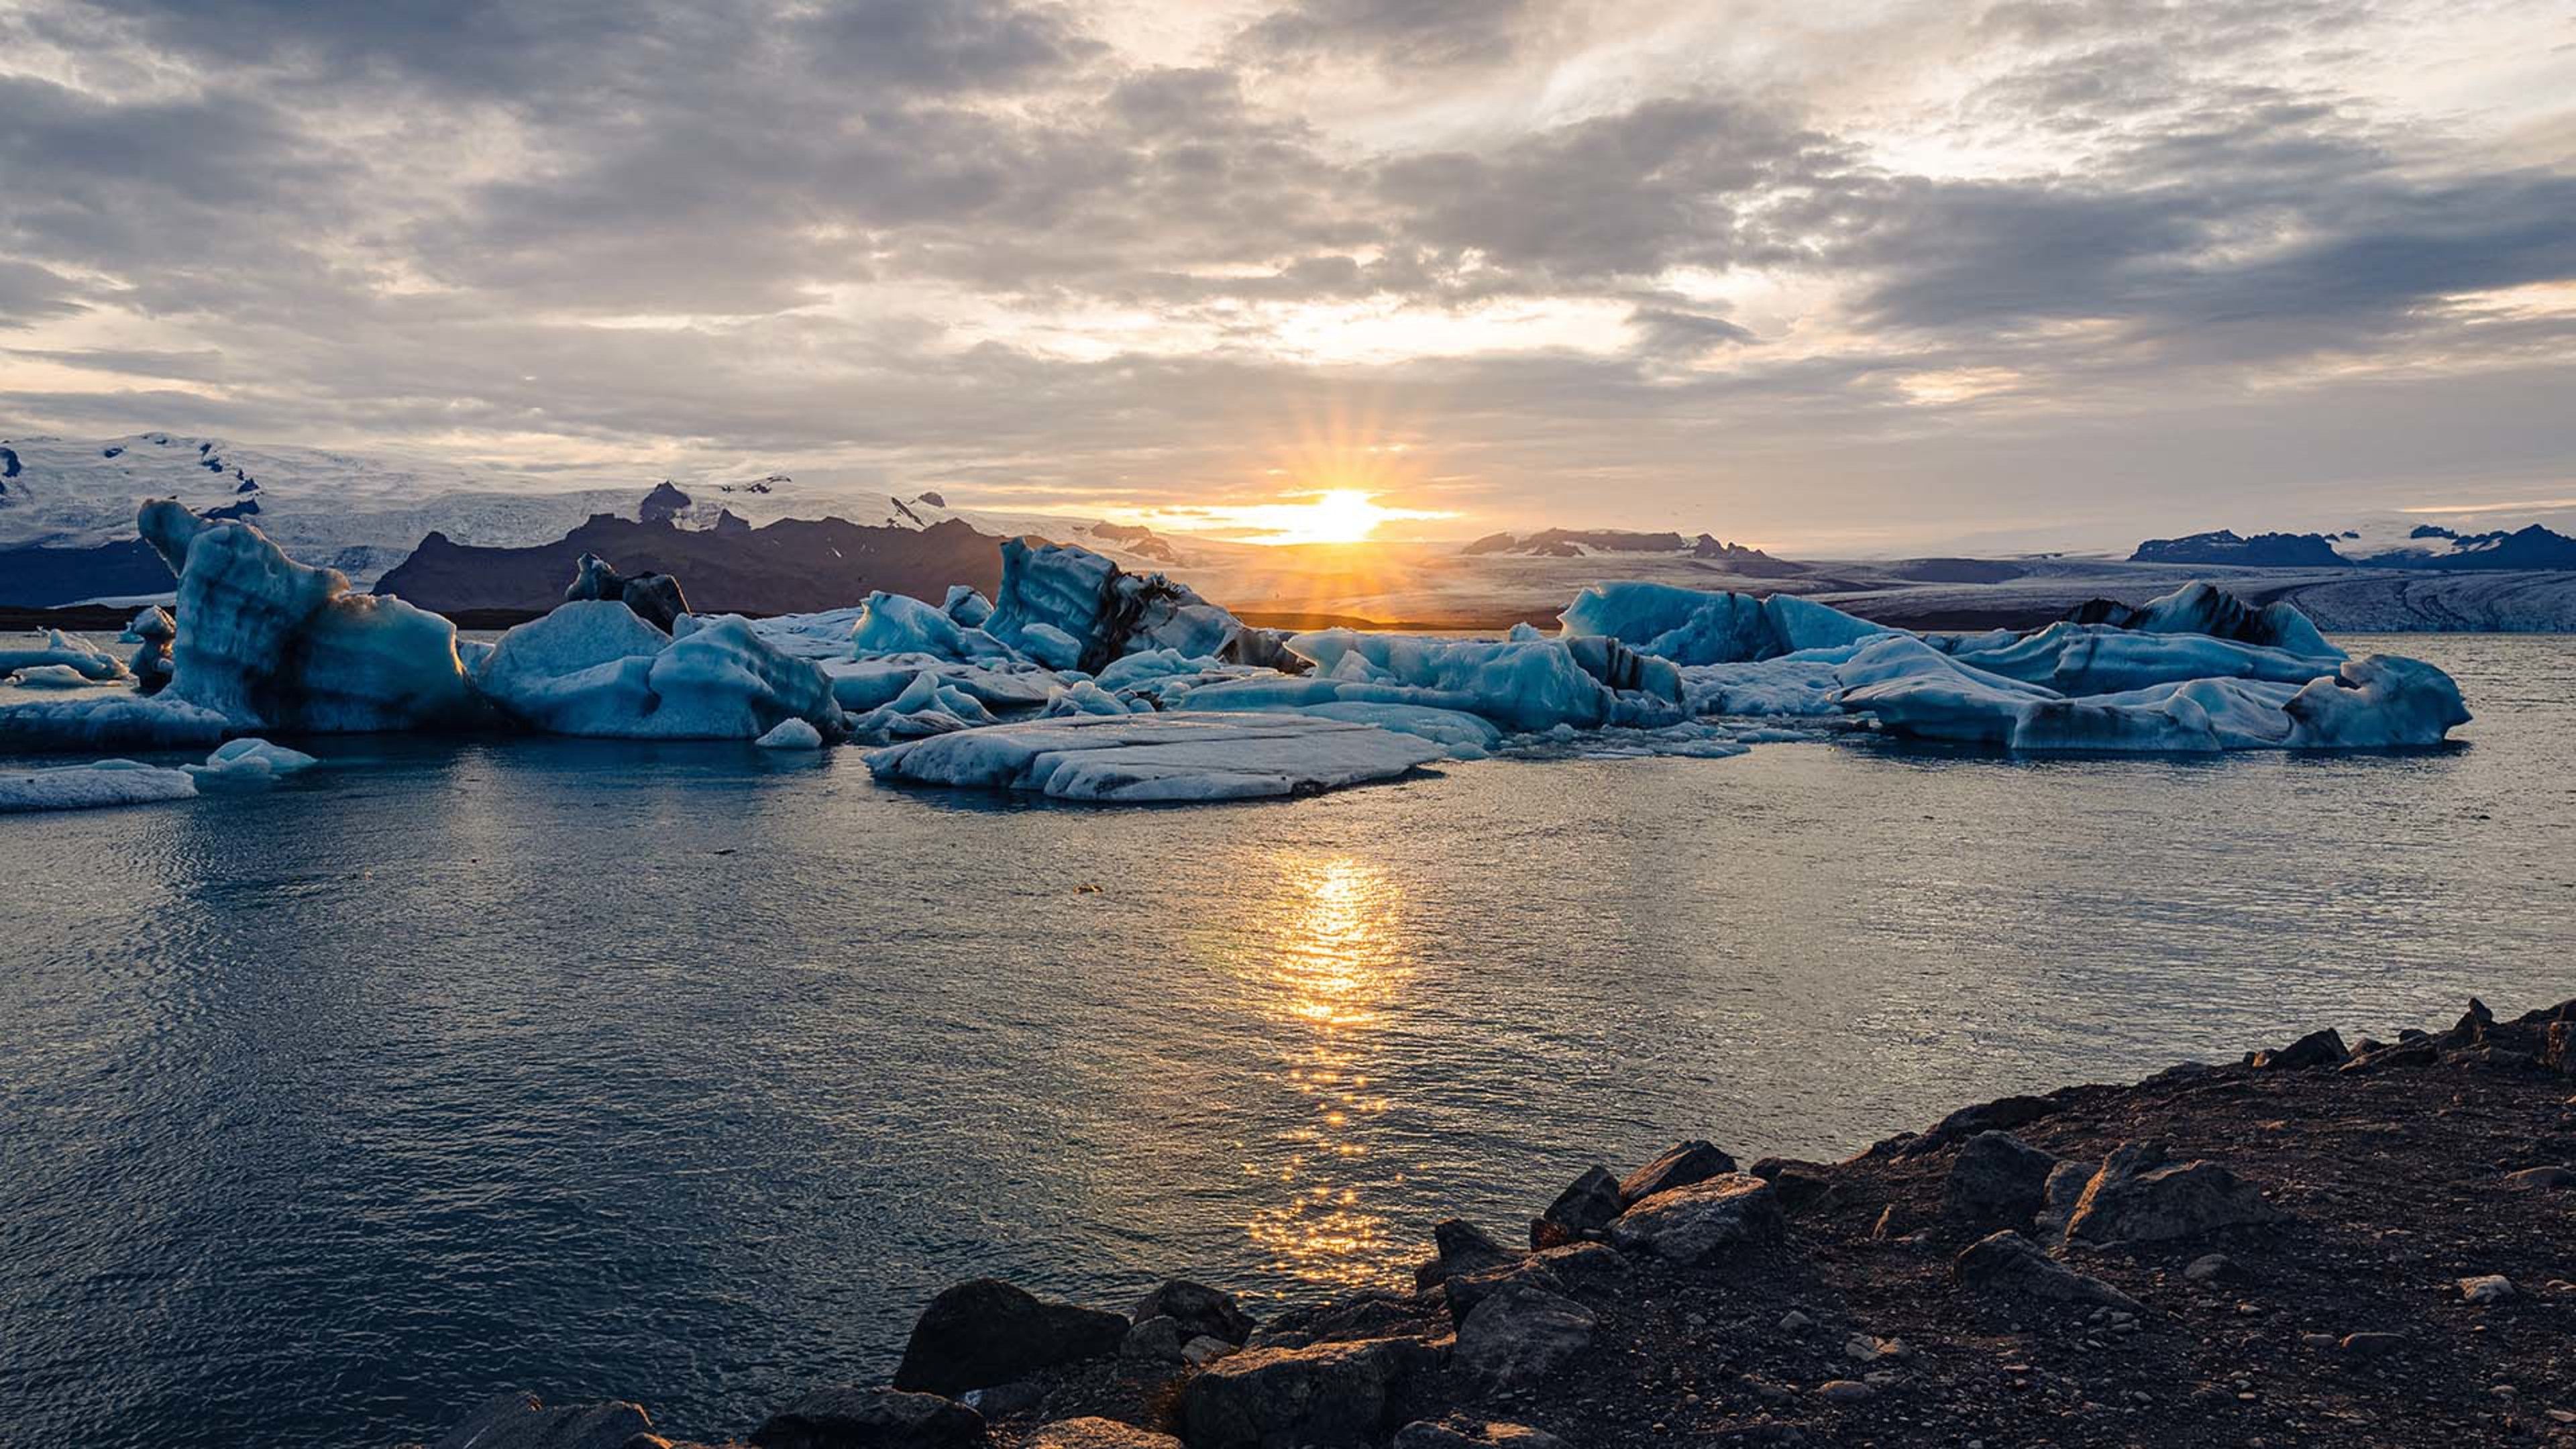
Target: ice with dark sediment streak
[[1158, 758], [269, 643]]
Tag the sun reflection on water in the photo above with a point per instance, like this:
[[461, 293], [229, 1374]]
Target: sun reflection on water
[[1330, 974]]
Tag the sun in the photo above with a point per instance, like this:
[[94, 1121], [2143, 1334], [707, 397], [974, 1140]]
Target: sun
[[1337, 515]]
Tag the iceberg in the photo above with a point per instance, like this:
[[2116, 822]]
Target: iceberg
[[2201, 607], [1070, 608], [270, 643], [49, 676], [655, 598], [791, 734], [151, 633], [1158, 757], [63, 651], [1693, 626], [2379, 701], [969, 608], [92, 786], [252, 759], [901, 624], [2101, 659], [596, 667]]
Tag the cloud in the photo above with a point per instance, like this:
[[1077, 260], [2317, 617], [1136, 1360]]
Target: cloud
[[1572, 248]]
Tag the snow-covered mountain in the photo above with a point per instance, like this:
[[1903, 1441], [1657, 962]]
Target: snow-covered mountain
[[364, 515]]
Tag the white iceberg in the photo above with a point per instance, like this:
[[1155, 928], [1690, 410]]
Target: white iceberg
[[900, 624], [252, 759], [596, 668], [1158, 757], [91, 786], [791, 734], [113, 721], [49, 676], [63, 651], [1070, 608]]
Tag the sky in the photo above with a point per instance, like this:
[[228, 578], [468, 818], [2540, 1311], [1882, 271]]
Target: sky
[[1812, 275]]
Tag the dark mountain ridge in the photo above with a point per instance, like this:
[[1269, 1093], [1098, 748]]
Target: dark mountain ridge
[[2533, 547], [794, 565]]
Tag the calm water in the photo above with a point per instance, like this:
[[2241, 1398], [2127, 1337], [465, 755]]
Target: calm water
[[687, 1073]]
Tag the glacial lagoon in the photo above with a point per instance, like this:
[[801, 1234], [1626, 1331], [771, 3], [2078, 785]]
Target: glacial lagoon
[[607, 1068]]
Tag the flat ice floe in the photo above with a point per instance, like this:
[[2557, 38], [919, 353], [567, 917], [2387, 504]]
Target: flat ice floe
[[1159, 757], [91, 786]]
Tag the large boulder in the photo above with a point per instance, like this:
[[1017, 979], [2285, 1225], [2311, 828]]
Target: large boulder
[[2316, 1049], [1584, 1210], [520, 1421], [1521, 1333], [1464, 1291], [855, 1418], [1999, 1181], [1680, 1166], [1200, 1311], [2140, 1197], [1460, 1247], [1693, 1224], [987, 1332], [2007, 1262], [1280, 1398]]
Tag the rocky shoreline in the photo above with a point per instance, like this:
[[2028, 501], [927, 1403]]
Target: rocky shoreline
[[2315, 1245]]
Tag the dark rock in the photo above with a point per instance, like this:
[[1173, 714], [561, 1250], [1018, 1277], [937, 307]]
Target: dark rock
[[660, 504], [2010, 1263], [1465, 1290], [1587, 1267], [1153, 1340], [1583, 1210], [2001, 1115], [1680, 1166], [856, 1418], [520, 1421], [1999, 1181], [2372, 1345], [1356, 1316], [2418, 1052], [1460, 1246], [1801, 1185], [1199, 1309], [2559, 1054], [655, 598], [2139, 1197], [2058, 1198], [1691, 1224], [1521, 1333], [2316, 1049], [1272, 1398], [2541, 1178], [2212, 1268], [1098, 1434], [988, 1332]]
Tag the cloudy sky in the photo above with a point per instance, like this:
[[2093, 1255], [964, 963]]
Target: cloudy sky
[[1809, 273]]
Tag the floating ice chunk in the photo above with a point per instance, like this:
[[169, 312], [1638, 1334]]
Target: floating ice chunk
[[821, 637], [152, 633], [107, 721], [50, 676], [1147, 664], [1519, 684], [2200, 607], [1070, 608], [1690, 738], [1693, 626], [1159, 757], [92, 786], [900, 624], [2378, 701], [1793, 684], [791, 734], [596, 668], [271, 643], [969, 608], [1050, 645], [1914, 689], [63, 651], [2099, 659], [250, 760], [1084, 697]]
